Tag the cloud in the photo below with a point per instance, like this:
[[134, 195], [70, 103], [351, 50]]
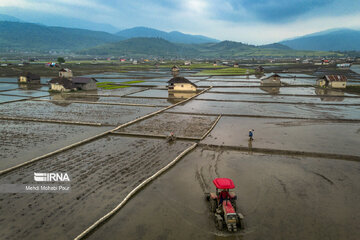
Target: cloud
[[249, 21]]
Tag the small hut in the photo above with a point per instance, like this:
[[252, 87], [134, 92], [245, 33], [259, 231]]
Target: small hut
[[332, 81], [181, 84], [175, 69], [62, 84], [65, 73], [272, 80], [29, 77], [236, 65], [259, 69]]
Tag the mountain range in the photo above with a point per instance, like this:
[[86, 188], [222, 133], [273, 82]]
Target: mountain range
[[330, 40], [82, 35], [17, 35], [158, 47], [174, 36], [22, 36]]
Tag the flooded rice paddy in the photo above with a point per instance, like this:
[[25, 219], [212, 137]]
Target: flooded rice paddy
[[298, 179]]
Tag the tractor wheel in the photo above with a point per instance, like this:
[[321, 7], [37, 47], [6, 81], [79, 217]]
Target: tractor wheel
[[207, 196], [219, 223], [213, 205], [241, 224]]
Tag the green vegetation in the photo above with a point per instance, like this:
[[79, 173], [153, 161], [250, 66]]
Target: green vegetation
[[227, 71], [112, 85], [61, 60], [39, 38], [157, 47], [192, 66]]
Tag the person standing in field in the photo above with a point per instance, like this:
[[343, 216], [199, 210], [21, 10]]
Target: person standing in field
[[251, 134]]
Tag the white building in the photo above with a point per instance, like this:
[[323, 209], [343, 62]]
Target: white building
[[181, 84]]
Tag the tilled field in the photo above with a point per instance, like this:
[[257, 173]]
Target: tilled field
[[180, 125], [101, 172], [311, 136], [281, 197], [290, 196], [270, 109], [23, 140], [105, 99], [94, 113]]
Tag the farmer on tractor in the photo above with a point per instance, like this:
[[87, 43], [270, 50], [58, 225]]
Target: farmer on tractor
[[223, 205]]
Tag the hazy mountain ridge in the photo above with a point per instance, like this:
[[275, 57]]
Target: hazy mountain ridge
[[174, 36], [158, 47], [29, 36], [329, 40]]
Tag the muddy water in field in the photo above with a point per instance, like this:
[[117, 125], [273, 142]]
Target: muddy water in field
[[230, 84], [282, 90], [106, 99], [151, 93], [22, 141], [311, 136], [101, 172], [27, 93], [271, 109], [281, 197], [120, 91], [180, 125], [7, 86], [5, 98], [106, 114], [336, 99]]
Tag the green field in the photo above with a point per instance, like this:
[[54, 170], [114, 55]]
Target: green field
[[112, 85], [227, 72]]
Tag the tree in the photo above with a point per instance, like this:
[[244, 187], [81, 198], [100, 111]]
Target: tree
[[61, 60]]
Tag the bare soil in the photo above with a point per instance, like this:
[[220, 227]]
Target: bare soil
[[295, 135], [94, 113], [180, 125], [101, 172], [22, 141], [281, 197]]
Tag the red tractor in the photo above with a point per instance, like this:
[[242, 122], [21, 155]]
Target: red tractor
[[223, 205]]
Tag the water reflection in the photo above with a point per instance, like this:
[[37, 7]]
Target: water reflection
[[329, 95], [65, 99], [175, 97], [28, 86], [271, 90]]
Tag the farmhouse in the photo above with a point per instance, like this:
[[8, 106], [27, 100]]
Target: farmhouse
[[29, 77], [272, 80], [72, 84], [65, 72], [332, 81], [84, 83], [236, 65], [181, 84], [62, 85]]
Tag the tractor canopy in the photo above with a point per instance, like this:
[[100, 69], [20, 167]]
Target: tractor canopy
[[224, 183]]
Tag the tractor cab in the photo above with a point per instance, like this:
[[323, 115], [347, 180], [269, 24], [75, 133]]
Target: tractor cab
[[223, 185]]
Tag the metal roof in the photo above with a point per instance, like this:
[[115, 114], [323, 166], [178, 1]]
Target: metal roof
[[180, 80], [269, 76], [335, 78], [64, 82]]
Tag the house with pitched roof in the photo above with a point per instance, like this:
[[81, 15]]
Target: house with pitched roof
[[332, 81], [181, 84]]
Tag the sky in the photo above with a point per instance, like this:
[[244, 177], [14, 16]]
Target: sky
[[248, 21]]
